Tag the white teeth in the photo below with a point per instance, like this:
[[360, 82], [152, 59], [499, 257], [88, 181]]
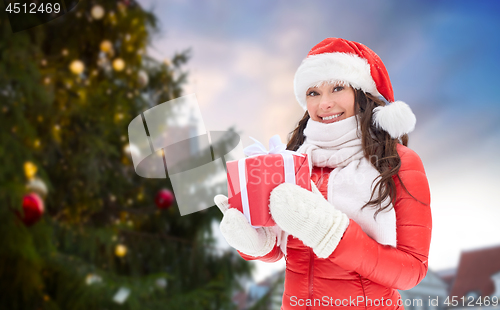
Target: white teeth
[[331, 117]]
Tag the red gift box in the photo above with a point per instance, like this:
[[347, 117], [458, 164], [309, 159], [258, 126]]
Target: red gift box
[[260, 175]]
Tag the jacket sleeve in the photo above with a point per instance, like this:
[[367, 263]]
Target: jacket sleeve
[[404, 266], [275, 255]]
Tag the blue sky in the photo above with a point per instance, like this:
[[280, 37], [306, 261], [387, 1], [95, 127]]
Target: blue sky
[[442, 57]]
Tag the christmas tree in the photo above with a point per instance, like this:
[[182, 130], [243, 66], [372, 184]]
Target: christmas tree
[[80, 229]]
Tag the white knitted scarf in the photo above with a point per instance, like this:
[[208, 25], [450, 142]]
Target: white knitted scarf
[[337, 145]]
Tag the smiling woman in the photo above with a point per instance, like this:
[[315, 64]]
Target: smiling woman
[[330, 102], [356, 144]]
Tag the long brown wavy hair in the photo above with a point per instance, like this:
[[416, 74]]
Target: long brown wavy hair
[[378, 147]]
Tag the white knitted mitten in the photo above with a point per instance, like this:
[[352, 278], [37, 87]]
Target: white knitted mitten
[[240, 234], [309, 217]]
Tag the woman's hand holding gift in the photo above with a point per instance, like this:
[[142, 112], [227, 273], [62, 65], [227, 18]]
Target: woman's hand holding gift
[[240, 234], [309, 217]]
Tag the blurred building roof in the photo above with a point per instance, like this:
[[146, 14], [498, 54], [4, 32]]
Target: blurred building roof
[[475, 270]]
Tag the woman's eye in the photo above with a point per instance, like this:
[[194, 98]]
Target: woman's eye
[[312, 93], [338, 88]]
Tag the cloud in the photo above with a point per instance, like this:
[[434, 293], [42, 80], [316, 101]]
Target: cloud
[[207, 84], [242, 83]]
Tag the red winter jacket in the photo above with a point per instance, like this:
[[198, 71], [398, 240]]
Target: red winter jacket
[[361, 273]]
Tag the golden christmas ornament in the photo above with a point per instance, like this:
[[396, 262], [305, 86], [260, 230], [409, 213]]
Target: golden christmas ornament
[[77, 66], [120, 250], [118, 117], [97, 12], [30, 170], [106, 46], [118, 64]]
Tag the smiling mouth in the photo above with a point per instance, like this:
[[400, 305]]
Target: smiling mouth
[[332, 118]]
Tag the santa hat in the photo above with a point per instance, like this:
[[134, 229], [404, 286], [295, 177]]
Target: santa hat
[[335, 59]]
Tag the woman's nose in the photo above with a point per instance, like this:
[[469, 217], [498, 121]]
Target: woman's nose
[[326, 103]]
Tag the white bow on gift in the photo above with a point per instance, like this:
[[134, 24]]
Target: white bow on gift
[[257, 149], [275, 147]]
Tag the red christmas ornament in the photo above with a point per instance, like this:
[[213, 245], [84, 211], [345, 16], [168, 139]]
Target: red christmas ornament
[[164, 199], [33, 209]]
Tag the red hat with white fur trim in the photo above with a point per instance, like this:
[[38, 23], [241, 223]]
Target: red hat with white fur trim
[[335, 59]]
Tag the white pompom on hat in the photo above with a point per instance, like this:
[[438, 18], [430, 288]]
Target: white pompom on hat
[[336, 59]]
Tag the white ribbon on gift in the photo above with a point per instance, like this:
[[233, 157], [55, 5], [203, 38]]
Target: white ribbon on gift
[[258, 149]]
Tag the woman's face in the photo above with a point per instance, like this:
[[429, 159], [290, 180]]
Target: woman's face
[[329, 103]]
